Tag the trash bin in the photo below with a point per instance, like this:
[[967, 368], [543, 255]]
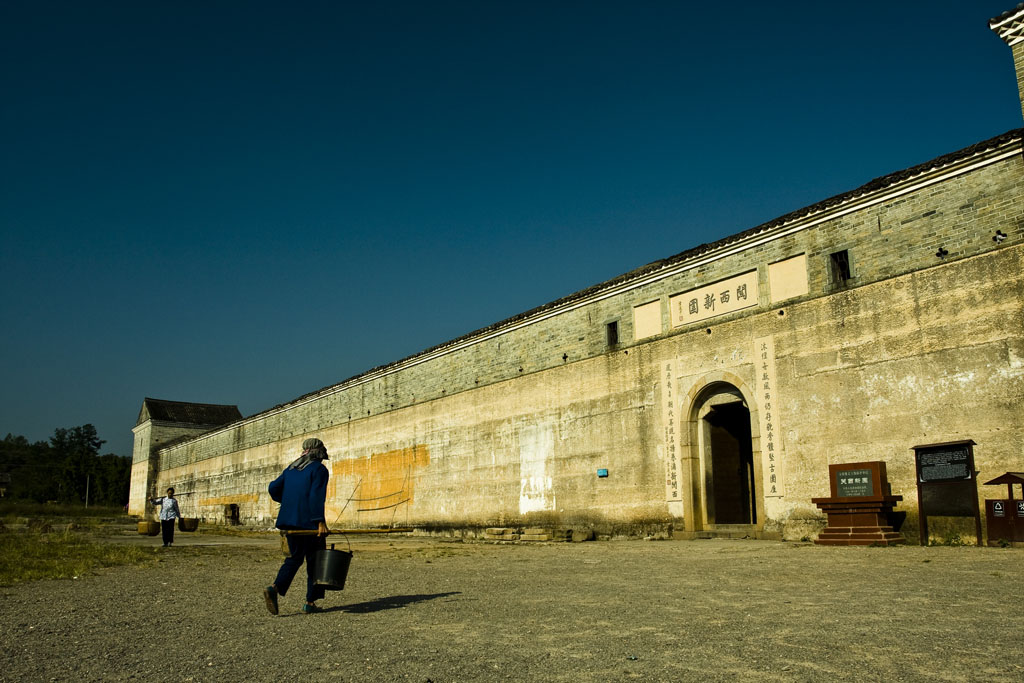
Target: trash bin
[[1005, 517]]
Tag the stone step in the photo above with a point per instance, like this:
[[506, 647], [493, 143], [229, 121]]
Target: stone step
[[581, 535]]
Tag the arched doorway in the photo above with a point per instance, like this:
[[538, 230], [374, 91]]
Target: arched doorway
[[727, 465]]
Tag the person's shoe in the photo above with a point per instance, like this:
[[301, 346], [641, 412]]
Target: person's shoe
[[310, 609], [270, 598]]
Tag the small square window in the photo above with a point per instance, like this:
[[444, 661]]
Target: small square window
[[613, 333], [840, 267]]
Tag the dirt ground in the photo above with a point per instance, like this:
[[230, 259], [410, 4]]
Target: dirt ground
[[424, 610]]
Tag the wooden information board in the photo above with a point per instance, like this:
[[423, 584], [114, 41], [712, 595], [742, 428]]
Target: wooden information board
[[946, 483], [945, 462]]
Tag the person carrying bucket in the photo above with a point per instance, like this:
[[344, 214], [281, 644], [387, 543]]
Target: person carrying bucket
[[169, 511], [302, 491]]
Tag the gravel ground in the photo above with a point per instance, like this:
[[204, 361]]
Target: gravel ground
[[424, 610]]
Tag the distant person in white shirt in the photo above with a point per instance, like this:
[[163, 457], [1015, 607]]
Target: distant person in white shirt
[[169, 511]]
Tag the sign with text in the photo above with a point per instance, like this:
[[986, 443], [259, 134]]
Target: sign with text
[[946, 483], [944, 463], [854, 483], [720, 298]]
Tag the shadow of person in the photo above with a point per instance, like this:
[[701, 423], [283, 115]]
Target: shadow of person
[[392, 602]]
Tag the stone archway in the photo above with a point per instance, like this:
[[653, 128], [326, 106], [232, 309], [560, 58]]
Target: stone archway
[[727, 460], [723, 449]]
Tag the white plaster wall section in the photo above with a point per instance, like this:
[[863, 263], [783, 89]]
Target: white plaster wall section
[[1014, 366], [958, 381], [907, 387], [536, 449], [568, 426], [442, 467]]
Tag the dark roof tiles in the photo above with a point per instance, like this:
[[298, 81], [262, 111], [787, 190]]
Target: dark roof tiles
[[872, 186], [875, 185], [188, 413], [1006, 15]]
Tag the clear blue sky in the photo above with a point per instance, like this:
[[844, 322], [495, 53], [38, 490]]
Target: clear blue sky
[[242, 202]]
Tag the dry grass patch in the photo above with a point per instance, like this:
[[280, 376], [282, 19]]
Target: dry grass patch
[[33, 555]]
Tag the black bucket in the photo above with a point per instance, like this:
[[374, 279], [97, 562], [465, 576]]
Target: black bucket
[[332, 568]]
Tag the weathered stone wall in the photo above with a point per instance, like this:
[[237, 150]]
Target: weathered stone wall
[[929, 357], [510, 426], [150, 436], [1018, 62], [933, 357]]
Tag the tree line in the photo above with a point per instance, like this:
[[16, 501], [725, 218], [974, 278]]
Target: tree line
[[65, 469]]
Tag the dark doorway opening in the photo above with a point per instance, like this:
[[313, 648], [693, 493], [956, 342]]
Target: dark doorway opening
[[730, 466]]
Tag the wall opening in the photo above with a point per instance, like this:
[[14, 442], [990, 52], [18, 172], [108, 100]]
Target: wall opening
[[613, 333], [839, 263], [728, 461]]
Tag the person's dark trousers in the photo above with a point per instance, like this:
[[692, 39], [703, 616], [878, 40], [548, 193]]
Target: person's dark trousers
[[167, 526], [302, 549]]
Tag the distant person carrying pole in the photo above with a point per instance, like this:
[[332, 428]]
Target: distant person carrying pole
[[169, 511], [301, 490]]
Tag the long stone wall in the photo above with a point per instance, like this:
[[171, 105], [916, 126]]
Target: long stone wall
[[510, 426]]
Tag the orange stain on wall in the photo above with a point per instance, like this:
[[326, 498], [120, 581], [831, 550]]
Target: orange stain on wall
[[384, 479]]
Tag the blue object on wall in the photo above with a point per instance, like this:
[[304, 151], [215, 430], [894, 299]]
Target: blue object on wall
[[602, 473]]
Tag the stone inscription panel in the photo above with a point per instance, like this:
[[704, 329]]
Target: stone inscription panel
[[854, 483], [787, 279], [723, 297], [647, 320]]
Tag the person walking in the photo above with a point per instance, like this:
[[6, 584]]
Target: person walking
[[169, 512], [302, 491]]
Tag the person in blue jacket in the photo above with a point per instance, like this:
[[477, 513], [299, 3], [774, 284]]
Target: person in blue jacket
[[301, 490]]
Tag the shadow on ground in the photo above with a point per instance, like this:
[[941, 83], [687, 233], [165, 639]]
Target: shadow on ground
[[393, 602]]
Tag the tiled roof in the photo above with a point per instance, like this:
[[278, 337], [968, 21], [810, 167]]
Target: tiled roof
[[870, 187], [187, 413], [867, 188], [1006, 15]]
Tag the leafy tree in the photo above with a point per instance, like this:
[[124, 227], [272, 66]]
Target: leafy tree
[[30, 466], [111, 480], [77, 448], [61, 469]]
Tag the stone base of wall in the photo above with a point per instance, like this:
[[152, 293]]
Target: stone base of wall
[[539, 534]]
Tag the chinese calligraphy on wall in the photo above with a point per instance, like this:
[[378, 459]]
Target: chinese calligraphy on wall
[[670, 419], [720, 298], [768, 417]]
